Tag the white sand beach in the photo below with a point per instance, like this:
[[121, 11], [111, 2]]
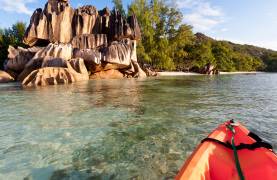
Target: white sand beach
[[241, 72], [175, 73]]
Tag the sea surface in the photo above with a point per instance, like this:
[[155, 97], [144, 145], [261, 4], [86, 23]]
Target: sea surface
[[125, 129]]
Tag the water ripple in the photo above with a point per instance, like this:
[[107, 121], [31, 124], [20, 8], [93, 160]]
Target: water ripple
[[125, 129]]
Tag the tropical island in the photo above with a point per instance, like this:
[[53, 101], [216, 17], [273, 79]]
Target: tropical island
[[64, 45], [108, 120]]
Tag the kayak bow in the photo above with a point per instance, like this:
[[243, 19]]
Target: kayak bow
[[231, 152]]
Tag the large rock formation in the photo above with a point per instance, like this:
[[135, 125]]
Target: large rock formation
[[101, 43]]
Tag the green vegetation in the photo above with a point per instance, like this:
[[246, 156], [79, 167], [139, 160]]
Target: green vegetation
[[119, 6], [168, 44], [12, 36], [164, 38]]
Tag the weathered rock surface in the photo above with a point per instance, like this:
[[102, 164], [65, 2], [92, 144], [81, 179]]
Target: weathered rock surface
[[91, 57], [58, 22], [138, 72], [118, 53], [148, 71], [109, 74], [119, 28], [49, 61], [63, 51], [209, 69], [78, 65], [84, 20], [54, 55], [18, 58], [102, 22], [55, 75], [5, 77], [52, 24], [136, 34], [41, 63], [89, 41]]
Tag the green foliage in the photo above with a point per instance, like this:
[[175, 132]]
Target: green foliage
[[163, 36], [200, 54], [11, 36], [271, 62], [179, 42], [223, 56], [167, 44], [119, 6]]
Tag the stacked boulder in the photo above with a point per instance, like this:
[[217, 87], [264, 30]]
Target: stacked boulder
[[68, 45]]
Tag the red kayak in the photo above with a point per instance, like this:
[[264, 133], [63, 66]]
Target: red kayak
[[231, 152]]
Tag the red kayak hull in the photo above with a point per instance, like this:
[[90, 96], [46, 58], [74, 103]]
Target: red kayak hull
[[213, 161]]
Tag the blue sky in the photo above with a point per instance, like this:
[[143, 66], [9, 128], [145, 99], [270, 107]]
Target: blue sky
[[241, 21]]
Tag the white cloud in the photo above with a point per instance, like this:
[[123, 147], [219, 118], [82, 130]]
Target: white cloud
[[224, 29], [18, 6], [260, 43], [186, 3], [199, 23], [200, 14]]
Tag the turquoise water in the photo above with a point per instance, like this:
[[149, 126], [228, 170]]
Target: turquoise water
[[125, 129]]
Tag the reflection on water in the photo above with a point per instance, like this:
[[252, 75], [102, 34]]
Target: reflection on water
[[124, 129]]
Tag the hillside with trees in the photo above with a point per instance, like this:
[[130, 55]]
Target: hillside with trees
[[168, 44]]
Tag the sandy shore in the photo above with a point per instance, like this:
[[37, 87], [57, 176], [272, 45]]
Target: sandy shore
[[173, 73], [242, 72], [167, 73]]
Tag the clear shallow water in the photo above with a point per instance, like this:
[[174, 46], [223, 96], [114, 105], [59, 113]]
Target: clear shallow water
[[125, 129]]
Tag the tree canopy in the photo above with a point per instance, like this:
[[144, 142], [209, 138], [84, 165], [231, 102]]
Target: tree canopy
[[11, 36]]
